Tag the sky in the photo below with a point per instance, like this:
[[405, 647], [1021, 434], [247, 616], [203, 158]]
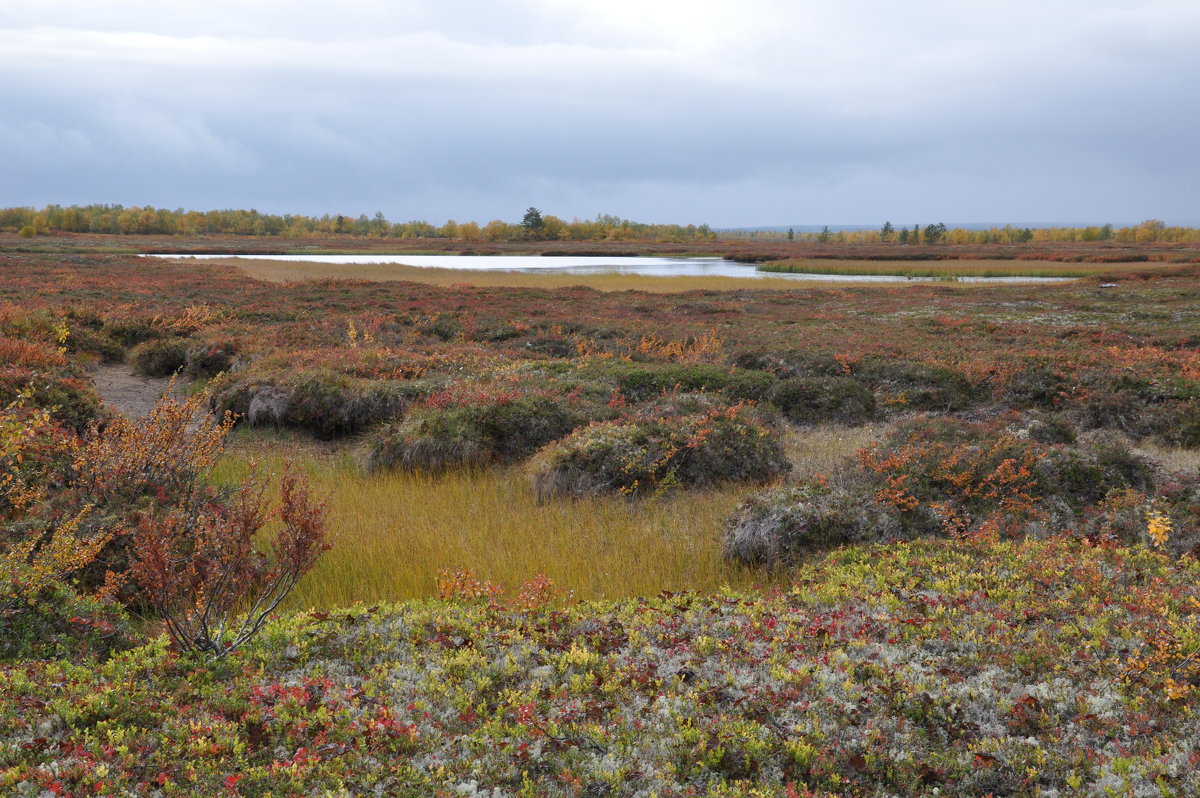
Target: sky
[[734, 114]]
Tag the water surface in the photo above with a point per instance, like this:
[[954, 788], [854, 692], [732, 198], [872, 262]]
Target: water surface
[[616, 264]]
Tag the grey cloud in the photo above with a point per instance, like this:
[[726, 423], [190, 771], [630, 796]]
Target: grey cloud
[[770, 112]]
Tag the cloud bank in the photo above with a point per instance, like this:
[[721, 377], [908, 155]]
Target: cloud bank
[[769, 112]]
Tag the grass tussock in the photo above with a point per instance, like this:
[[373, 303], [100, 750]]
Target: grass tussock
[[395, 531]]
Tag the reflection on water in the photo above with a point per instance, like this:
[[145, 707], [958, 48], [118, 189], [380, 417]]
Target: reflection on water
[[647, 266]]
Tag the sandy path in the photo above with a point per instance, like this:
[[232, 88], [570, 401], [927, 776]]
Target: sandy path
[[129, 394]]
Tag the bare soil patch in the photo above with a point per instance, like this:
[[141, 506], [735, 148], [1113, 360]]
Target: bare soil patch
[[131, 395]]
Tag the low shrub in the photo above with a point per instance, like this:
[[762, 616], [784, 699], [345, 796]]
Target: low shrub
[[56, 622], [159, 357], [323, 402], [437, 439], [1181, 424], [1121, 410], [650, 456], [945, 477], [1036, 387], [1048, 428], [758, 360], [130, 332], [72, 399], [783, 525], [638, 382], [815, 400], [39, 371], [552, 346], [207, 360], [916, 386]]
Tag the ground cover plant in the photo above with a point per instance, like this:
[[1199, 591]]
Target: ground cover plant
[[978, 574], [974, 667]]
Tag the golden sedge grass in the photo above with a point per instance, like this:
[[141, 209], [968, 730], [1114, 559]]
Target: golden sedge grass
[[392, 533]]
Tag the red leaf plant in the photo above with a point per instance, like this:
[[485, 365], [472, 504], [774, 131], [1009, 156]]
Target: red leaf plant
[[200, 570]]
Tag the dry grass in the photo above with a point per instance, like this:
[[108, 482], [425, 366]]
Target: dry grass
[[278, 271], [1181, 461], [819, 450]]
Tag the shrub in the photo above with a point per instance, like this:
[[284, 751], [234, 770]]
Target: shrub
[[551, 346], [814, 400], [436, 439], [1036, 386], [1087, 473], [208, 360], [1048, 428], [1181, 424], [916, 386], [443, 326], [641, 381], [199, 569], [130, 332], [160, 357], [641, 457], [73, 399], [783, 525], [323, 402], [940, 477], [54, 621], [1104, 408]]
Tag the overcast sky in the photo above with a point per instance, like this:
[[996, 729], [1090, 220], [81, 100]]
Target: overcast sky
[[755, 112]]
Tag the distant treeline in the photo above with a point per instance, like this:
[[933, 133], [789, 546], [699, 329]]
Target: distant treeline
[[1149, 231], [119, 220]]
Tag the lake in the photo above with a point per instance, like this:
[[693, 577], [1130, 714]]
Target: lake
[[645, 266]]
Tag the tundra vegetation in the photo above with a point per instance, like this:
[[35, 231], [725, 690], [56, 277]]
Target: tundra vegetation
[[408, 538]]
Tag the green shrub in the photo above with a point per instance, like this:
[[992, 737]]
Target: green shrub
[[443, 326], [1048, 428], [758, 360], [815, 400], [210, 359], [73, 399], [437, 439], [58, 623], [160, 357], [935, 477], [1036, 387], [130, 333], [323, 402], [641, 381], [1085, 474], [1181, 424], [916, 386], [551, 346], [784, 525], [647, 456]]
